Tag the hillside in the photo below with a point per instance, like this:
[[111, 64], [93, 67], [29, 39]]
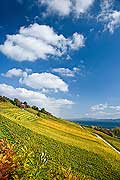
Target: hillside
[[64, 143]]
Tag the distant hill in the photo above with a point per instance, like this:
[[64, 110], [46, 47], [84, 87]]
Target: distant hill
[[55, 142], [92, 119], [105, 123]]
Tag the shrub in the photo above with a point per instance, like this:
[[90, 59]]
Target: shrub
[[19, 167], [117, 131], [8, 162], [38, 114]]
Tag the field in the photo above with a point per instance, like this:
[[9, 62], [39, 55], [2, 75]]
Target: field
[[112, 140], [64, 143]]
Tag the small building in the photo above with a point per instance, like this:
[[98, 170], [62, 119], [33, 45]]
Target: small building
[[22, 105]]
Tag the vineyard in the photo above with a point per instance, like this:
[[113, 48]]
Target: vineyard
[[112, 140], [64, 143]]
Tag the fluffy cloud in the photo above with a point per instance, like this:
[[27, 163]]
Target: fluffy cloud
[[44, 81], [117, 108], [39, 42], [76, 42], [16, 72], [53, 105], [103, 114], [109, 16], [106, 106], [81, 6], [104, 111], [66, 7], [99, 107], [66, 71], [40, 81], [114, 21], [62, 7]]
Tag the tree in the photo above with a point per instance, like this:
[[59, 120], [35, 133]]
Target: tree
[[17, 102], [43, 110], [3, 99], [11, 101], [35, 108]]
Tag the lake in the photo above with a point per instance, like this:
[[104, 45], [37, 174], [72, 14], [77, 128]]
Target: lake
[[104, 124]]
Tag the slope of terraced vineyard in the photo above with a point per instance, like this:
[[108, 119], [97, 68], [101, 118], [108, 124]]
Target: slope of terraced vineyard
[[64, 142], [13, 112], [115, 142]]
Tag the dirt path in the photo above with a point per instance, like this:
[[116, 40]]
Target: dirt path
[[81, 127], [107, 143]]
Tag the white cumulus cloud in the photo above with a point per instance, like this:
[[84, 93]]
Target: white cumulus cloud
[[67, 7], [45, 81], [39, 42], [81, 6], [62, 7], [14, 72], [66, 71], [53, 105]]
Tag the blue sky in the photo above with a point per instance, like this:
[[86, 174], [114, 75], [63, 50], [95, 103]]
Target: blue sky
[[63, 56]]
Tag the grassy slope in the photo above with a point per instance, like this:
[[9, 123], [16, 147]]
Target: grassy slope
[[66, 143], [113, 141]]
